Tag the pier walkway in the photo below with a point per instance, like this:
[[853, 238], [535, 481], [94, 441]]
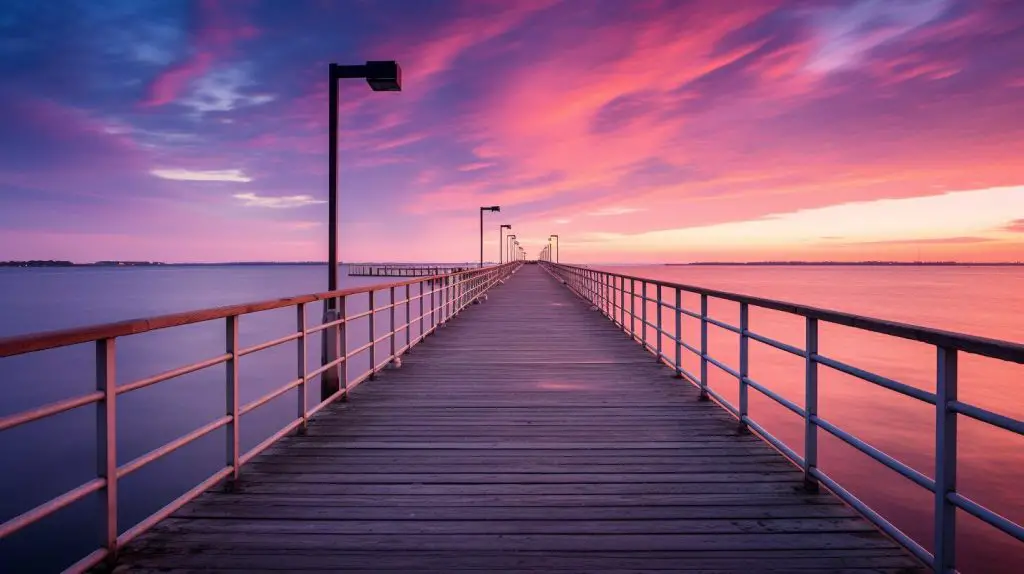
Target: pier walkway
[[528, 434]]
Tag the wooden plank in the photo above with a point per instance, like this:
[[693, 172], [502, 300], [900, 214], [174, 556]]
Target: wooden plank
[[527, 435]]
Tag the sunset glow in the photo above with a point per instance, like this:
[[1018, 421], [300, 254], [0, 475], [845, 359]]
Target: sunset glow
[[637, 131]]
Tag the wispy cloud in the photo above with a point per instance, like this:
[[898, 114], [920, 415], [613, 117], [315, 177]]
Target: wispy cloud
[[202, 175], [277, 202], [1015, 226], [613, 211]]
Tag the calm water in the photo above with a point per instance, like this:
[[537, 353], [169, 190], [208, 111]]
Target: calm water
[[46, 458], [986, 301]]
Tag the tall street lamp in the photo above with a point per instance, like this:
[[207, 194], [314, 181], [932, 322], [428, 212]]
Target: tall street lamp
[[508, 246], [501, 240], [382, 76], [558, 246], [494, 208]]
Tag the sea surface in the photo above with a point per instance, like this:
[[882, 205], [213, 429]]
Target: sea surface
[[43, 459]]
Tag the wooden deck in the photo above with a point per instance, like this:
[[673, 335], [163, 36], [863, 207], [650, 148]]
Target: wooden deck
[[527, 435]]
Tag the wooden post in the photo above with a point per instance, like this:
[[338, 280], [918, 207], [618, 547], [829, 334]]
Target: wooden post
[[810, 403], [231, 395], [106, 442], [300, 321], [744, 363], [703, 347], [679, 333], [373, 337], [945, 460]]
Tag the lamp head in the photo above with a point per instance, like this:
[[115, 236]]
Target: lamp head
[[491, 208], [384, 76], [506, 226]]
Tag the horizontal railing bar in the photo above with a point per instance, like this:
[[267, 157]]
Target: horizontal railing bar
[[86, 564], [322, 326], [139, 462], [774, 441], [777, 344], [986, 416], [775, 396], [51, 409], [690, 348], [879, 380], [269, 344], [358, 350], [993, 519], [172, 507], [359, 315], [254, 451], [886, 460], [384, 337], [876, 518], [723, 366], [722, 401], [380, 366], [994, 348], [323, 368], [49, 507], [269, 397], [689, 313], [723, 325], [688, 375], [21, 344], [180, 371]]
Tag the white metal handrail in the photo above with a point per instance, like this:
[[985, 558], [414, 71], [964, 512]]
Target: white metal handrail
[[441, 298], [609, 291]]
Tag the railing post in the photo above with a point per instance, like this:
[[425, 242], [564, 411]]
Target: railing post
[[341, 344], [810, 403], [300, 325], [632, 308], [945, 460], [703, 347], [433, 306], [393, 334], [744, 364], [106, 441], [408, 317], [373, 336], [679, 333], [658, 320], [622, 302], [423, 310], [643, 314], [231, 395]]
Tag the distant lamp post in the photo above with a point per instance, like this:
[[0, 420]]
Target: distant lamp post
[[509, 240], [558, 246], [494, 208], [382, 76], [501, 241]]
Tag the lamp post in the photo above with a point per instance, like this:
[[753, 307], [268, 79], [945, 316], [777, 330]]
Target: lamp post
[[382, 76], [558, 246], [494, 208], [501, 239], [509, 239]]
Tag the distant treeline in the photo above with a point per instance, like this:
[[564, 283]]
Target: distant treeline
[[37, 263], [864, 263]]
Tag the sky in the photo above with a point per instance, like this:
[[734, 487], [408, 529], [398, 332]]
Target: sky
[[640, 131]]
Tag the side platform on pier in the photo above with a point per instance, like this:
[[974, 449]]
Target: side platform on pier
[[528, 434]]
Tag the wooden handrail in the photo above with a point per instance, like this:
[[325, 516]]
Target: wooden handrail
[[21, 344]]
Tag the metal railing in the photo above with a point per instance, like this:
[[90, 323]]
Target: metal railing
[[440, 298], [609, 293]]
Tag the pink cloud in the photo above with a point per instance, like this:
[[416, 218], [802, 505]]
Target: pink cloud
[[217, 30]]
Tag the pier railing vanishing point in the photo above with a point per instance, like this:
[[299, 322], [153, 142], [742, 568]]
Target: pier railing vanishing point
[[617, 296], [439, 298]]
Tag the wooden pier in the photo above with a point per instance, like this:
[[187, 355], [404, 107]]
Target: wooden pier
[[528, 434], [402, 269]]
